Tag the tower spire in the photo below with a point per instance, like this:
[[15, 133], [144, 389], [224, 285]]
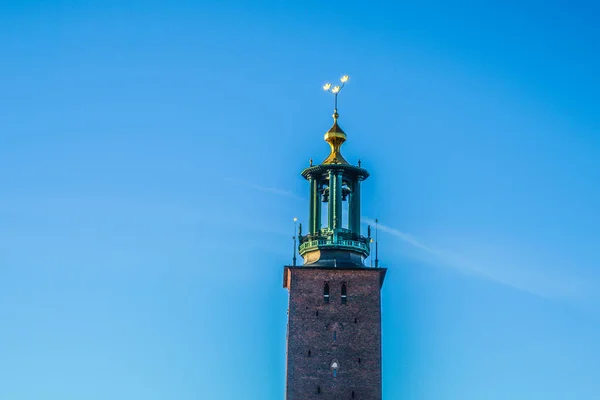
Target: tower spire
[[334, 181], [335, 136], [334, 282]]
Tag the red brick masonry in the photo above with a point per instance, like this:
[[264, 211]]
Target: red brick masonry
[[355, 345]]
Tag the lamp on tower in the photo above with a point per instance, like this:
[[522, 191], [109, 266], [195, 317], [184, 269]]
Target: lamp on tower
[[294, 237]]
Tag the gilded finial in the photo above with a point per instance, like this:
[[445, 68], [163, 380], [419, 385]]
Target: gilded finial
[[335, 90], [359, 163], [310, 162], [335, 136]]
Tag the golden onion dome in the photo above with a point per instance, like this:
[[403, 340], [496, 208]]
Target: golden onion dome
[[335, 136]]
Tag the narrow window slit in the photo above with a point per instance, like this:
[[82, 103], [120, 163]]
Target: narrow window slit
[[334, 367]]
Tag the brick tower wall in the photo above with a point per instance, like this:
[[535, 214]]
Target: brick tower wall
[[355, 345]]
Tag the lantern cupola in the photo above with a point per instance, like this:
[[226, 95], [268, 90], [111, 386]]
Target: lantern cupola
[[334, 241]]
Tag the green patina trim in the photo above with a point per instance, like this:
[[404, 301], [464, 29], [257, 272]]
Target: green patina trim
[[343, 239]]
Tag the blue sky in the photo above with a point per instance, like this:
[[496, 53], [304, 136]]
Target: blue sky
[[150, 157]]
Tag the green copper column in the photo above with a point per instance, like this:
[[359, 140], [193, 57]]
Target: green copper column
[[316, 208], [338, 201], [331, 205], [311, 206], [351, 207], [355, 211]]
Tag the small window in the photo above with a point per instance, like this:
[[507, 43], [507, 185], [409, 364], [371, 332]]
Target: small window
[[317, 313], [353, 394], [334, 367], [355, 320], [309, 354], [358, 357], [326, 293], [318, 389], [334, 336], [344, 294]]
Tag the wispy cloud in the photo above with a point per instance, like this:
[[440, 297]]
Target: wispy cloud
[[402, 235], [267, 189], [521, 277]]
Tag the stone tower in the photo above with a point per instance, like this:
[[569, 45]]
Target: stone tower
[[334, 313]]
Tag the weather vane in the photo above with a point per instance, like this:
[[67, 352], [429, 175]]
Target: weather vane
[[335, 90]]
